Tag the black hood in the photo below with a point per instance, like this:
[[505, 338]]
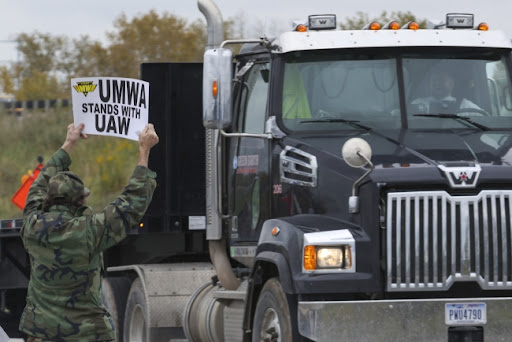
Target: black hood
[[413, 157], [417, 148]]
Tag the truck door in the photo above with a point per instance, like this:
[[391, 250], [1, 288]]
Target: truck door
[[249, 162]]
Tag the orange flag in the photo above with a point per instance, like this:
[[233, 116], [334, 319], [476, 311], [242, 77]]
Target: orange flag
[[20, 197]]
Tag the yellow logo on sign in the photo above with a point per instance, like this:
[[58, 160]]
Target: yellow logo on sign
[[85, 87]]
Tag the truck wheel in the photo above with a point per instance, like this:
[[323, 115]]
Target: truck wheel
[[114, 292], [135, 322], [272, 316], [11, 313]]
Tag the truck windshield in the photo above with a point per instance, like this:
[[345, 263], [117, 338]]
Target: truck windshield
[[450, 88]]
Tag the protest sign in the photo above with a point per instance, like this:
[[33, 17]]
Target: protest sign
[[111, 106]]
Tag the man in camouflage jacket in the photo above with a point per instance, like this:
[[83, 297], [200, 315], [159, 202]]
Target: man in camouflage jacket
[[65, 241]]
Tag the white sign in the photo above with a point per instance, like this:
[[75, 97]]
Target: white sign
[[111, 106], [196, 222]]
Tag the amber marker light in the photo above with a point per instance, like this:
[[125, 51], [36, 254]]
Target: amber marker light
[[374, 26], [275, 231], [215, 89], [413, 26], [394, 25], [310, 258], [141, 225], [483, 27], [301, 28]]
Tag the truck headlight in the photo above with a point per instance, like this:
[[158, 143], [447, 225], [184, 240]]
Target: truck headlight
[[332, 251]]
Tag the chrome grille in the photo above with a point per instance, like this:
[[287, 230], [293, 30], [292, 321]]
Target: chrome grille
[[298, 167], [435, 239]]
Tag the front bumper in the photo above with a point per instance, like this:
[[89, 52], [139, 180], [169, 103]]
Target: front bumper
[[397, 320]]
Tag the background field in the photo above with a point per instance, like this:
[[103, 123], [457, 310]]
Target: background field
[[103, 163]]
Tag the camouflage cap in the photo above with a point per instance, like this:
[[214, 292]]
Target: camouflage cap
[[66, 187]]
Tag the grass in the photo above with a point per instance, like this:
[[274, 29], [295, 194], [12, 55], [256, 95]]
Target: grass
[[103, 163]]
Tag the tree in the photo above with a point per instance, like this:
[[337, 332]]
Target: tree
[[40, 85], [150, 38], [76, 57], [35, 75], [6, 80], [361, 19], [39, 51], [47, 62]]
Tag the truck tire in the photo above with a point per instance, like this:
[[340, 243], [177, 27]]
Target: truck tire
[[114, 292], [10, 316], [272, 316], [136, 320]]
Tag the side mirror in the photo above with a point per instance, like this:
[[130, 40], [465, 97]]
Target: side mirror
[[356, 152], [217, 88]]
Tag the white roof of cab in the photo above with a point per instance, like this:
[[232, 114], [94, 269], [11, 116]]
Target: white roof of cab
[[316, 40]]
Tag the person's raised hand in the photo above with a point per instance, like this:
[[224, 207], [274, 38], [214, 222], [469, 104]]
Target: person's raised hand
[[72, 136], [148, 137]]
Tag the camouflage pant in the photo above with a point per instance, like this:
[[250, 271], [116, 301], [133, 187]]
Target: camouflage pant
[[33, 339]]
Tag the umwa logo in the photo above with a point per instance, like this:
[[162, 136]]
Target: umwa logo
[[461, 177], [85, 87]]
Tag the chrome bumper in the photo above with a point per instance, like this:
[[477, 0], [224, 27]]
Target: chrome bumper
[[396, 320]]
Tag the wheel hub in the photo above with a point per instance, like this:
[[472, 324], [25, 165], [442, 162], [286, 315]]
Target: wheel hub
[[270, 330]]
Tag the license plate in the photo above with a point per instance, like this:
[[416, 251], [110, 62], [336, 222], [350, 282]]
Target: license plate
[[465, 313]]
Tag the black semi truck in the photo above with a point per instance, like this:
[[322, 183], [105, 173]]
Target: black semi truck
[[349, 185]]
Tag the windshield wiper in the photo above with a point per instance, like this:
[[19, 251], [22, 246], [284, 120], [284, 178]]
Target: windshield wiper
[[353, 123], [456, 117]]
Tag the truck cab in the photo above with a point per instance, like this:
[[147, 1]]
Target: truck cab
[[366, 175]]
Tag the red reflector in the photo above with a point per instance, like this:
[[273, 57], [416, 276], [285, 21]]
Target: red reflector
[[11, 224]]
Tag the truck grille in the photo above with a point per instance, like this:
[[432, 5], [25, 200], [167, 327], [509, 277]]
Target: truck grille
[[435, 239]]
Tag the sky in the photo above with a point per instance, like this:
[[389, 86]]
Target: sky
[[96, 17]]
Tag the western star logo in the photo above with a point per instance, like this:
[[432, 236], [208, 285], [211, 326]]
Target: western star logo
[[461, 177], [85, 87]]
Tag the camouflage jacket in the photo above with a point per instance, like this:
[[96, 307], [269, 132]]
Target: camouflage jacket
[[65, 246]]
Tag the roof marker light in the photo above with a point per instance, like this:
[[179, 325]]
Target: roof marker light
[[372, 26], [392, 25], [483, 27], [301, 28], [411, 25]]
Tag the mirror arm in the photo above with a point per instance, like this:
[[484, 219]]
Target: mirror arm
[[353, 201], [355, 186]]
